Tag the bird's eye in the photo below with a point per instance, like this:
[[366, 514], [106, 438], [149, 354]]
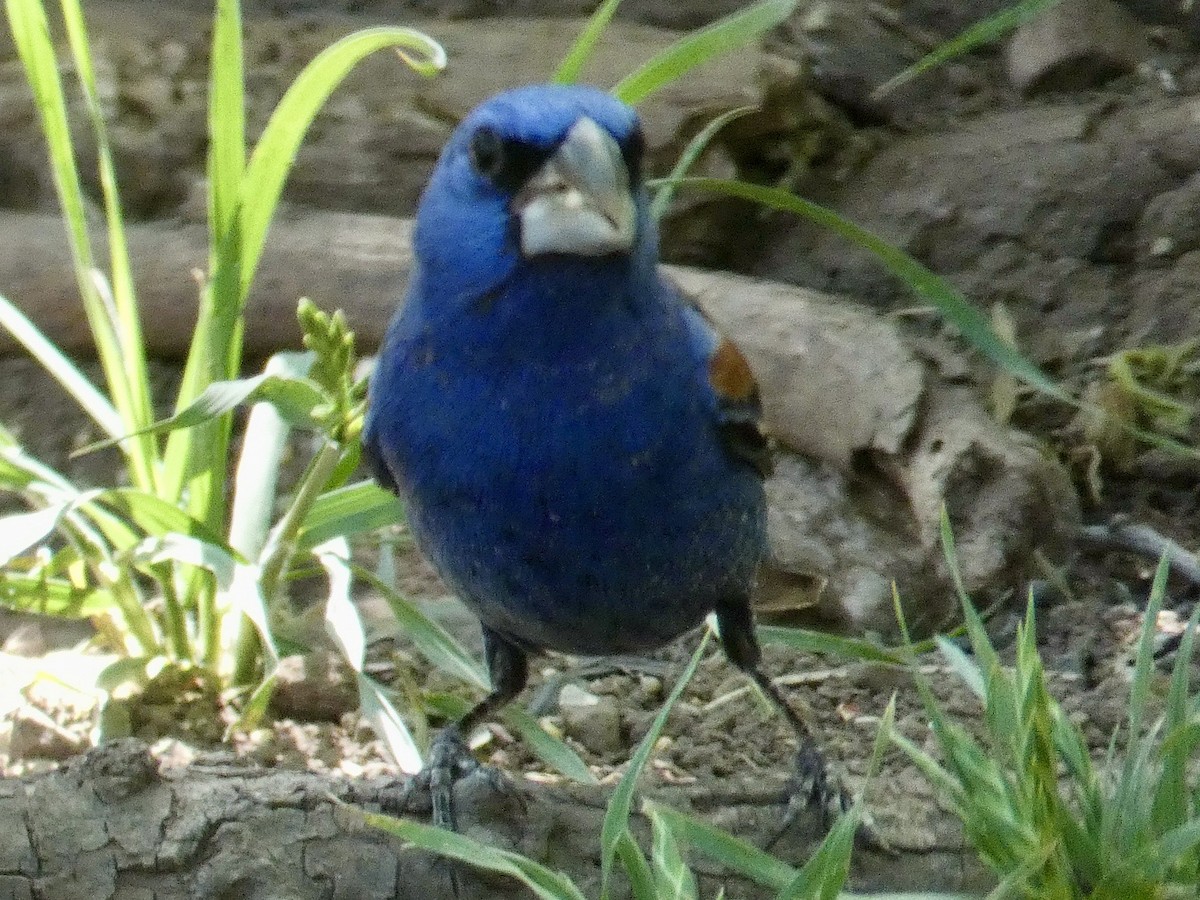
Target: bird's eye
[[504, 162], [487, 153], [633, 148]]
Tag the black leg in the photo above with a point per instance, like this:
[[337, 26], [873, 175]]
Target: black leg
[[814, 786], [449, 757]]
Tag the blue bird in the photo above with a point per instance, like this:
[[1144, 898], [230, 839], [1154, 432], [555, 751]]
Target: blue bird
[[580, 451]]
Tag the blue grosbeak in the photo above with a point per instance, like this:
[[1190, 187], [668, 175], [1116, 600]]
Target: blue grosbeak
[[580, 451]]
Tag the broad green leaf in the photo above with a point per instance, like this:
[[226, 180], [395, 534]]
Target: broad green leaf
[[294, 399], [585, 44], [226, 121], [256, 480], [544, 883], [386, 722], [549, 749], [150, 515], [353, 509], [696, 47], [238, 587], [52, 596], [21, 531]]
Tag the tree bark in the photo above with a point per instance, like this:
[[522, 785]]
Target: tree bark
[[112, 824]]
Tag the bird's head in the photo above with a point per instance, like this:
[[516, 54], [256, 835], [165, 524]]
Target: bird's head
[[535, 173]]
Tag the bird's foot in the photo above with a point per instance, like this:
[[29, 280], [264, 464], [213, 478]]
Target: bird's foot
[[450, 761], [813, 787]]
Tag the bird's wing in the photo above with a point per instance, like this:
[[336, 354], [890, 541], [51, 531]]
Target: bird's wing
[[734, 391], [372, 457]]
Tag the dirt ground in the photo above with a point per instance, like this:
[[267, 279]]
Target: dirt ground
[[1070, 203]]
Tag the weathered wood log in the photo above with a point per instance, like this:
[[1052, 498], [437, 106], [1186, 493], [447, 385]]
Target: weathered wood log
[[112, 825]]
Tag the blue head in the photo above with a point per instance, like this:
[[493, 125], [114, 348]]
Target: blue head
[[543, 176]]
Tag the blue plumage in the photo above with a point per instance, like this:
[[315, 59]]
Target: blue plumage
[[581, 452], [551, 420]]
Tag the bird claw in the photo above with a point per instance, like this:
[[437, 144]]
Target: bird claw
[[813, 787]]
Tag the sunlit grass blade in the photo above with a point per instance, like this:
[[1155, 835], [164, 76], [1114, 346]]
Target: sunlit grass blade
[[585, 44], [280, 140], [952, 305], [356, 508], [293, 398], [616, 817], [256, 479], [987, 31], [64, 371], [696, 146], [21, 531], [52, 596], [125, 362], [551, 750], [543, 882], [730, 33], [226, 121]]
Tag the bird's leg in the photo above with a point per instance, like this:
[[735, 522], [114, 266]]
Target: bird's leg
[[450, 758], [814, 785]]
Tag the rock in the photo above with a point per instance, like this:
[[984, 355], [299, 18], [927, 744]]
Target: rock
[[314, 687], [36, 734], [1075, 44], [873, 443], [1170, 224], [594, 721]]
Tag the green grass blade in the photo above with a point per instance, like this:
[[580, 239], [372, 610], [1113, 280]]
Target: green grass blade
[[694, 48], [987, 31], [724, 849], [124, 358], [431, 640], [277, 147], [1171, 806], [31, 35], [293, 398], [673, 880], [952, 305], [696, 146], [354, 509], [52, 597], [63, 370], [551, 750], [585, 44], [226, 121], [256, 479], [616, 817], [851, 648], [343, 624], [544, 883]]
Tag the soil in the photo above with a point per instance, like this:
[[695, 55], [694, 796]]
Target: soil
[[1071, 211]]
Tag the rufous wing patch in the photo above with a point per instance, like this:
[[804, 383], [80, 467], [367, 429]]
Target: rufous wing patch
[[729, 373]]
